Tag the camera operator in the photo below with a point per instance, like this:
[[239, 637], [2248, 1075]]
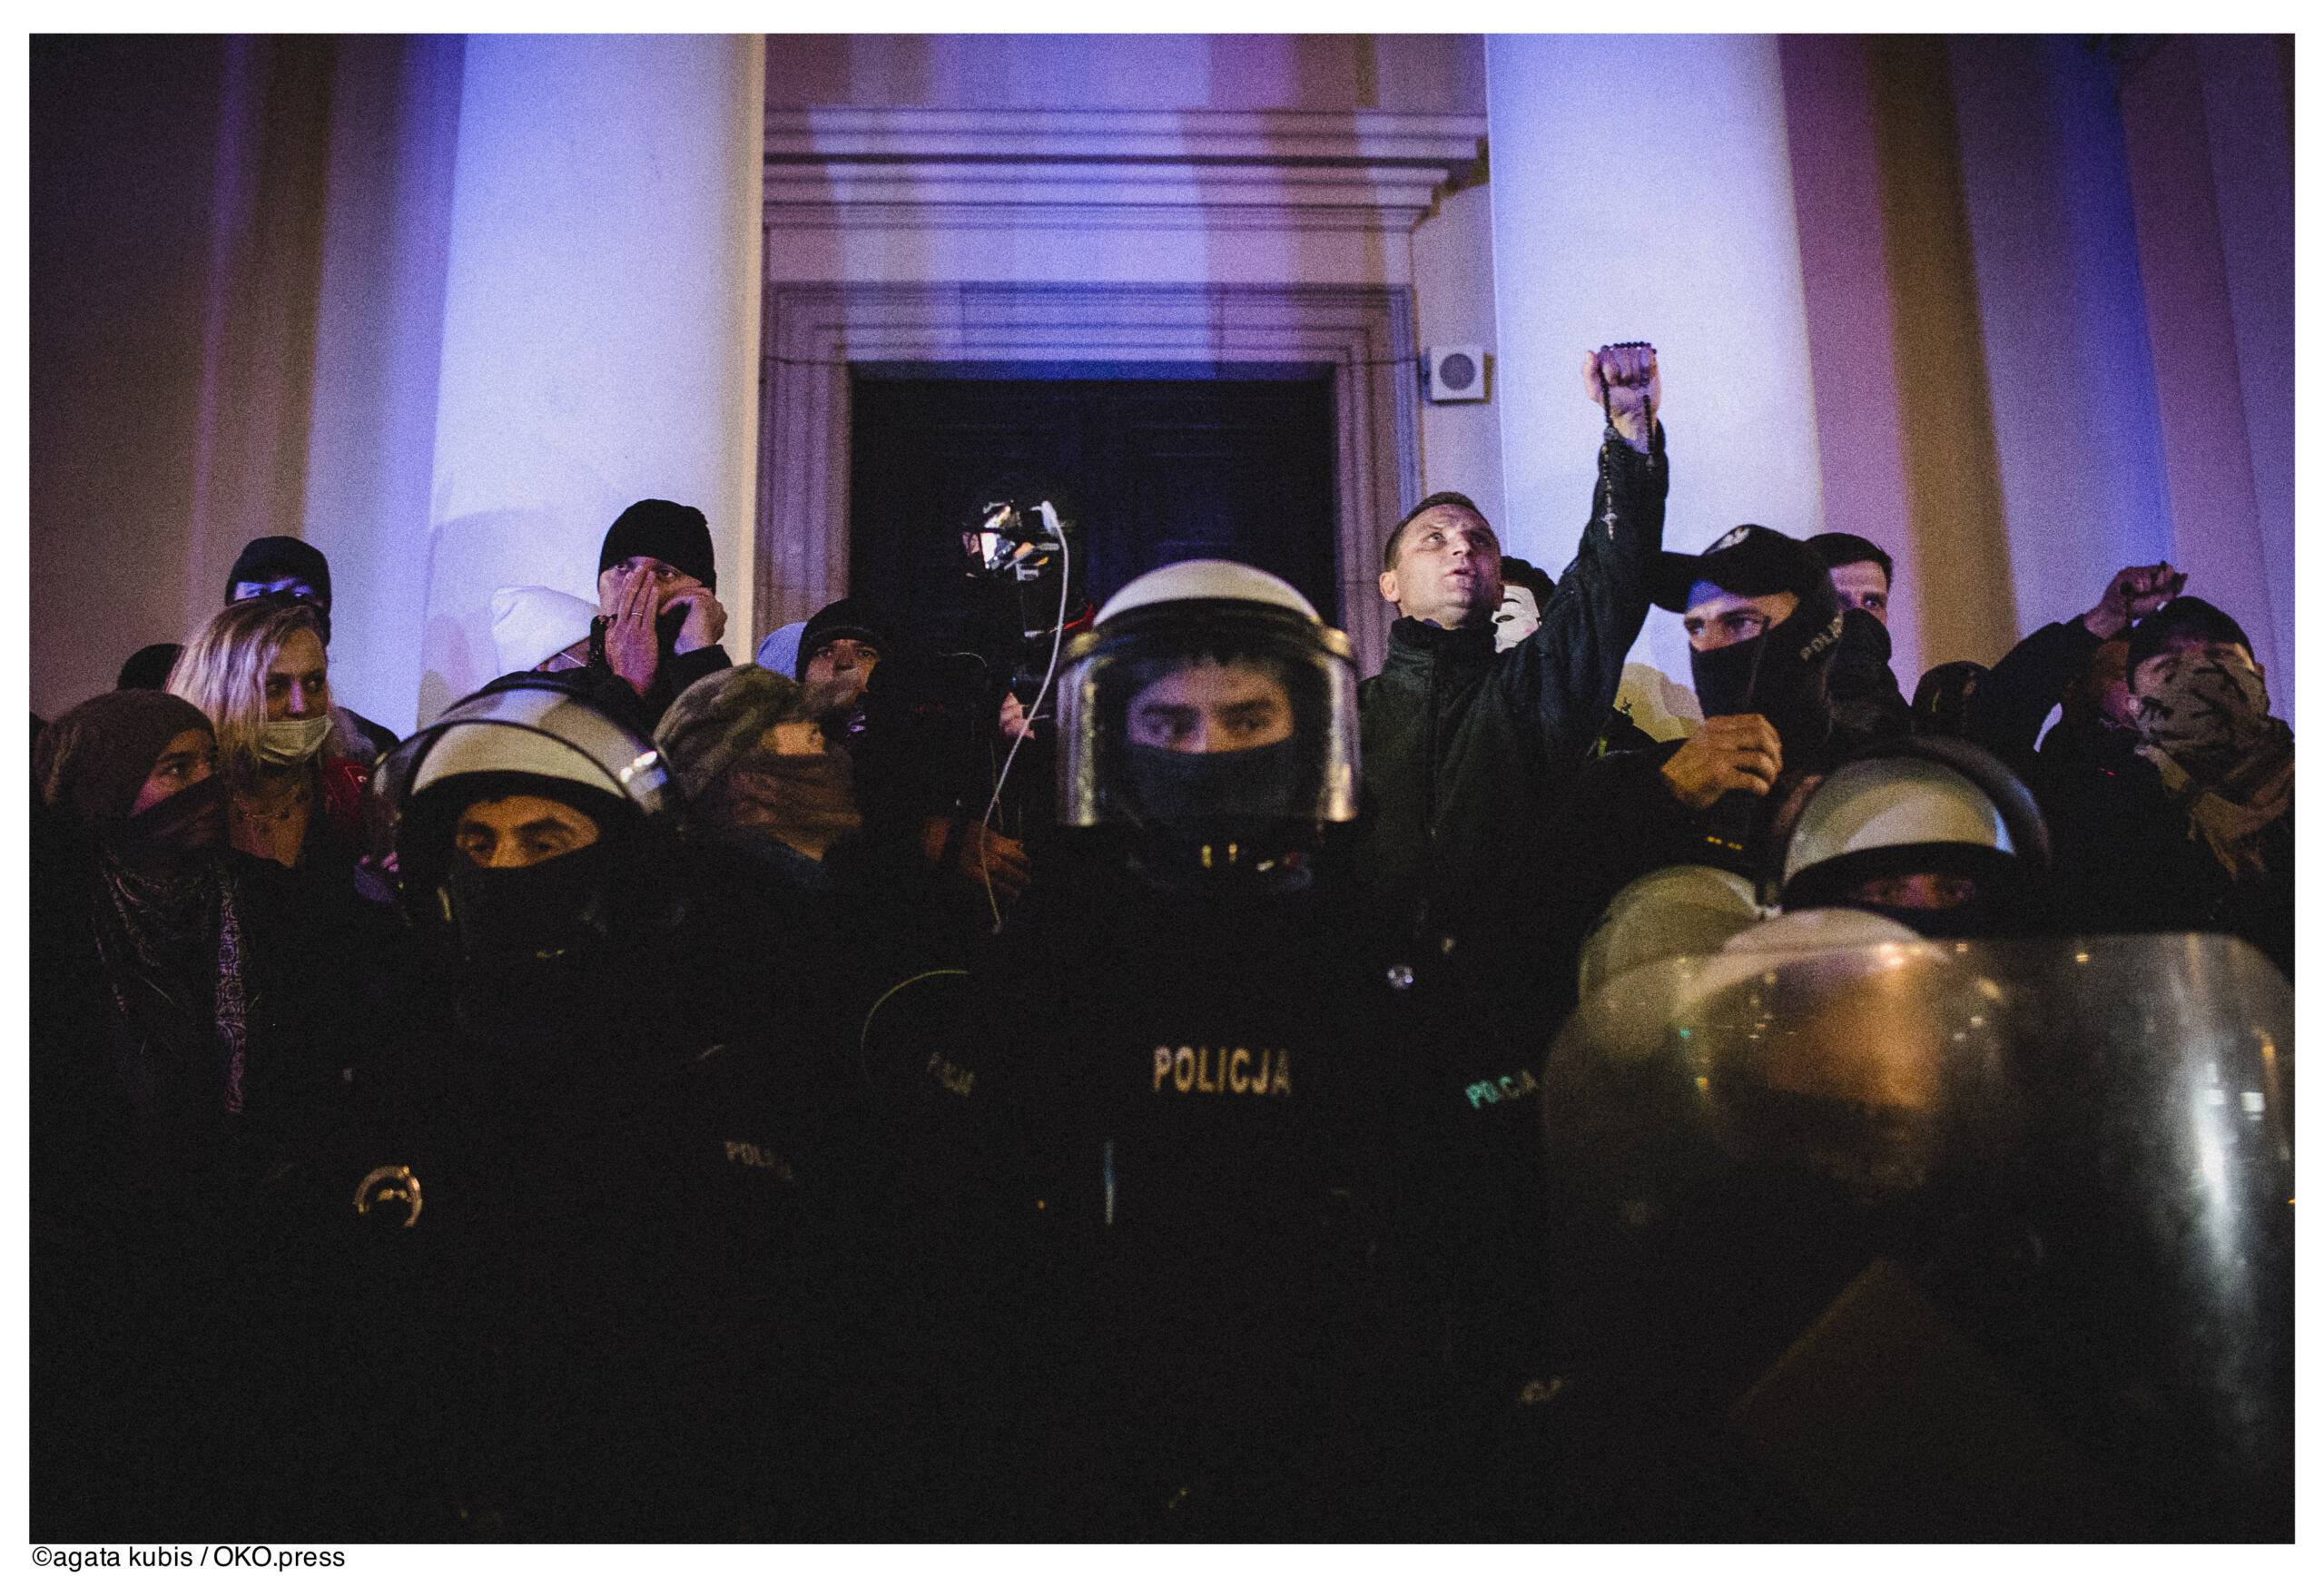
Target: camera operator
[[951, 768]]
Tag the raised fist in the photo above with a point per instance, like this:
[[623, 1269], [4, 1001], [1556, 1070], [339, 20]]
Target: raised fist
[[2133, 592], [1625, 381]]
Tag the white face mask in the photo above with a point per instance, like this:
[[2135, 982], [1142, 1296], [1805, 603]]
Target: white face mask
[[1517, 618], [292, 740]]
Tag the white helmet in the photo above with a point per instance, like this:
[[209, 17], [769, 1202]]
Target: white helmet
[[1671, 912], [530, 732], [1209, 698], [1918, 807]]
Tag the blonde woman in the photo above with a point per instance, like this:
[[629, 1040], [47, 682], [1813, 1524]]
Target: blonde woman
[[259, 673]]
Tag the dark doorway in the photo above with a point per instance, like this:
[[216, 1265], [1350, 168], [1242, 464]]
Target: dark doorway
[[1158, 469]]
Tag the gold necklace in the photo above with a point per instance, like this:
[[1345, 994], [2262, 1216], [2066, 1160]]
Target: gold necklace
[[248, 807]]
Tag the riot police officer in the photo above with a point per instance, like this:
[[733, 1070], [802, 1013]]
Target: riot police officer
[[580, 1260], [1178, 1101]]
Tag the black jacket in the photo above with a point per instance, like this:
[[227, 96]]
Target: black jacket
[[632, 1263], [151, 1284], [2126, 859], [2009, 707], [611, 692], [1465, 750], [1183, 1125]]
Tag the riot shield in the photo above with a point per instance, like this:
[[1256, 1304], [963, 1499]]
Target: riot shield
[[1950, 1240]]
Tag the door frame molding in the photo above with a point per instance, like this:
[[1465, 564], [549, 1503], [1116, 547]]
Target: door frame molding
[[814, 332]]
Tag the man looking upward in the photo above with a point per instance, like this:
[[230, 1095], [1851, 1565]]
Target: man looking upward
[[1466, 748]]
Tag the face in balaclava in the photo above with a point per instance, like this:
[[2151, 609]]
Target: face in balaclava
[[513, 919], [533, 963], [175, 833], [1860, 684], [2206, 714], [1181, 786], [534, 943], [91, 764], [1782, 675]]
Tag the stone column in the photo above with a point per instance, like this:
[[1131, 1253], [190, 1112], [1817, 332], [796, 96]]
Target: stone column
[[1642, 190], [2075, 427], [600, 323], [2207, 121]]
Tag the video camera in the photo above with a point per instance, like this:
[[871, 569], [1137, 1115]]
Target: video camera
[[1021, 559]]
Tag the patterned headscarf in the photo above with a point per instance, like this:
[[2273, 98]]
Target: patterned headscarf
[[168, 935]]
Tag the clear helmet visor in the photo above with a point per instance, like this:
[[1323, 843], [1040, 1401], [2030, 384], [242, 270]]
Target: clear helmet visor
[[2128, 1098], [1196, 712]]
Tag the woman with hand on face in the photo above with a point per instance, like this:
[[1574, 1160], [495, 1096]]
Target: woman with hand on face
[[259, 673]]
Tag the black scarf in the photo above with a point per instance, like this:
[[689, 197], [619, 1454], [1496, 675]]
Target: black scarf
[[1781, 674], [168, 928], [1865, 698]]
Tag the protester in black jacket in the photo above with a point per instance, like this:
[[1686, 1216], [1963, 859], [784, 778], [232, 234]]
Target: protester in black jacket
[[1465, 749], [1763, 621], [1865, 698], [178, 1051], [2017, 696], [659, 619], [2129, 822], [2184, 822]]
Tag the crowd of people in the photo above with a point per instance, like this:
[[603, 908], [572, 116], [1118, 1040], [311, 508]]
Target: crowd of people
[[668, 1100]]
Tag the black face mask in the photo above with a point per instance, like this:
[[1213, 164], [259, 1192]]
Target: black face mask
[[178, 831], [514, 919], [1182, 786], [1860, 662], [1973, 920], [1782, 675]]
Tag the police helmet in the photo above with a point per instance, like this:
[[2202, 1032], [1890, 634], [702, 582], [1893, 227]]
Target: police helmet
[[1209, 701], [1922, 807], [524, 734], [1671, 912]]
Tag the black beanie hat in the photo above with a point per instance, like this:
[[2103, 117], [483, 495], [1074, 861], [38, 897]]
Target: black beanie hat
[[266, 558], [2185, 615], [851, 618], [676, 534], [148, 667]]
